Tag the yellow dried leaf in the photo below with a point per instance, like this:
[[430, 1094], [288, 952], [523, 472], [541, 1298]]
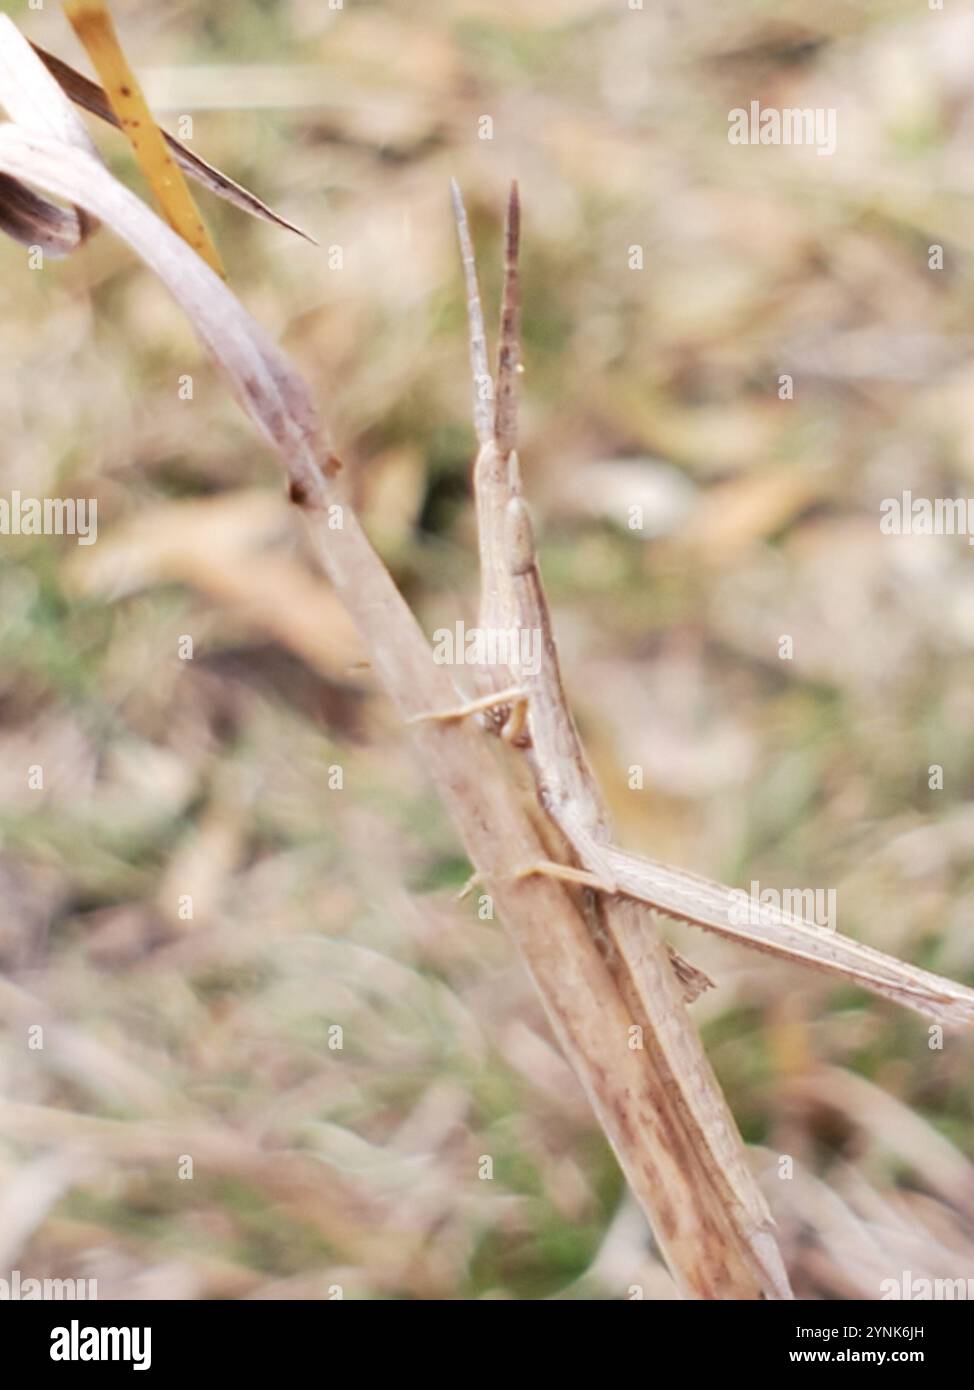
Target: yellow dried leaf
[[92, 22]]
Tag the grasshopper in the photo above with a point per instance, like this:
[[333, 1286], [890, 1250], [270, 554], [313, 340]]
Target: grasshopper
[[622, 894], [529, 709]]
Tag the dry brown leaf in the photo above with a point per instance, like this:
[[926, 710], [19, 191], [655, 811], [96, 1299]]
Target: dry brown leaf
[[214, 544], [90, 97], [732, 516]]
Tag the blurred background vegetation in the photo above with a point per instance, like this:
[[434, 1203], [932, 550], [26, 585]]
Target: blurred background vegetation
[[316, 905]]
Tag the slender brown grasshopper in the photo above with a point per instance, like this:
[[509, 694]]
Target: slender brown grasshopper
[[528, 707]]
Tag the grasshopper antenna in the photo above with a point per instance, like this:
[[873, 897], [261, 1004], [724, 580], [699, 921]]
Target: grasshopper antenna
[[483, 387], [509, 353]]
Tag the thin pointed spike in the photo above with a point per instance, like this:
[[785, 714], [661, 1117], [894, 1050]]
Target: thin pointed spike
[[483, 405], [509, 354]]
